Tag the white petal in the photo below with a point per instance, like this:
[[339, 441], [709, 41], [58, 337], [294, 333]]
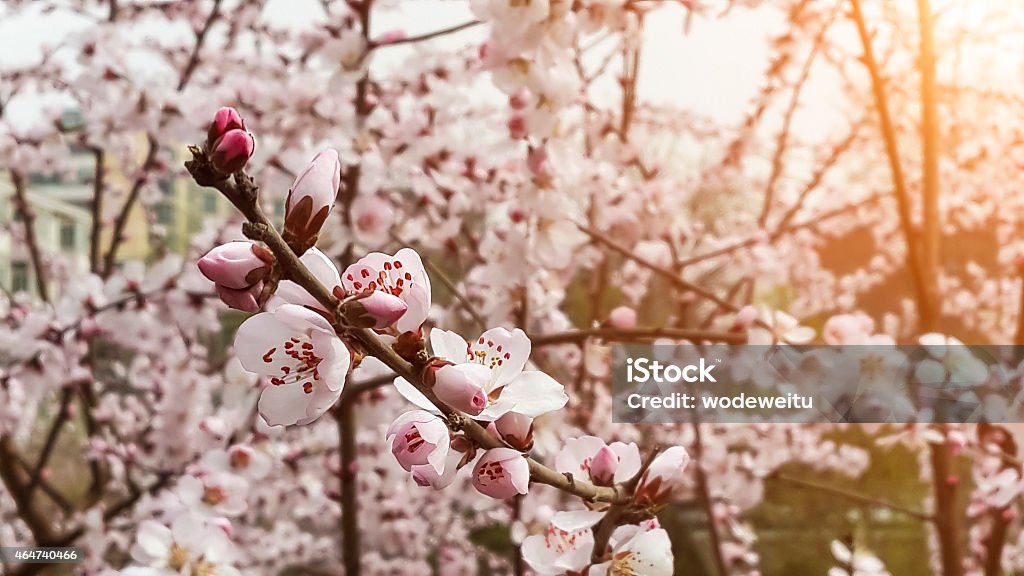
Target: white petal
[[335, 360], [652, 554], [511, 348], [576, 520], [413, 395], [322, 268], [319, 402], [570, 459], [935, 343], [448, 345], [255, 337], [534, 393], [629, 460], [283, 405], [153, 541]]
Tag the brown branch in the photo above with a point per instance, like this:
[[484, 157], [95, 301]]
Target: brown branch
[[193, 60], [782, 230], [16, 481], [428, 36], [28, 219], [96, 234], [345, 416], [636, 335], [948, 520], [60, 419], [675, 279], [794, 102], [923, 292], [932, 224], [242, 192], [355, 390], [849, 495], [630, 76], [122, 218], [704, 497], [819, 175], [47, 488]]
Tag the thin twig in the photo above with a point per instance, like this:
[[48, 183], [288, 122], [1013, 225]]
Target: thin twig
[[28, 219], [794, 102], [428, 36], [636, 335], [117, 236], [98, 183], [849, 495], [61, 418], [194, 58], [242, 192], [914, 263]]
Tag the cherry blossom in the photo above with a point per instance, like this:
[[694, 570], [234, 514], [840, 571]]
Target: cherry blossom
[[501, 473], [190, 545], [556, 551], [663, 476], [419, 438], [590, 458], [495, 362], [306, 364], [636, 550], [398, 277]]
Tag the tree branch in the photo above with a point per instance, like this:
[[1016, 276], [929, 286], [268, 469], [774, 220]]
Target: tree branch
[[636, 335], [28, 220], [428, 36], [122, 218], [843, 493], [922, 290], [242, 192]]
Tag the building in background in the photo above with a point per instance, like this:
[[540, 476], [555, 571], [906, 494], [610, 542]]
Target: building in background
[[62, 204]]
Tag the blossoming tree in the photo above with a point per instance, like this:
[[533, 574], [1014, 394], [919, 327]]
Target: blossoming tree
[[433, 257]]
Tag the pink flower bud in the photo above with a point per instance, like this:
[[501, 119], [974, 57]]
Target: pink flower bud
[[418, 438], [623, 318], [385, 309], [516, 429], [231, 152], [664, 475], [235, 265], [602, 467], [458, 389], [245, 300], [311, 198], [226, 120], [501, 473]]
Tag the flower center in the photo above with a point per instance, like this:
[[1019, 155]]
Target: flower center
[[178, 558], [491, 472], [487, 353], [561, 541], [214, 495], [390, 279], [297, 361], [622, 566], [413, 440], [240, 459]]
